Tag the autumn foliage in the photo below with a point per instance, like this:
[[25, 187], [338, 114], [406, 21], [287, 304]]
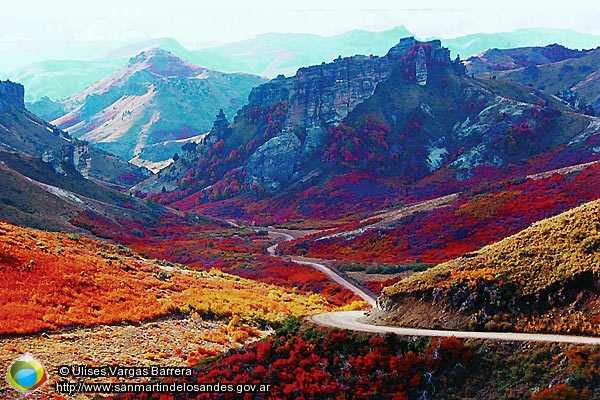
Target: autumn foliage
[[336, 365], [485, 214], [51, 280], [544, 278]]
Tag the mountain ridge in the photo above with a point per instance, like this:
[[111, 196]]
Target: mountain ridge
[[278, 56], [393, 121], [141, 111]]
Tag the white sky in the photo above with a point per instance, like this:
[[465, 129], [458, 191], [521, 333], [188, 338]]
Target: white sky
[[194, 23]]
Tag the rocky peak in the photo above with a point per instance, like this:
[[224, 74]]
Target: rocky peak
[[162, 63], [325, 94], [421, 67], [12, 95], [220, 129], [402, 48]]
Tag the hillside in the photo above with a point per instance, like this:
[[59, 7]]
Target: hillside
[[408, 125], [148, 109], [62, 283], [23, 132], [134, 288], [444, 228], [494, 60], [573, 79], [544, 278]]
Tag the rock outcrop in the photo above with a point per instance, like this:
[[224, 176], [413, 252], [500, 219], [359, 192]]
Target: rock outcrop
[[12, 95], [421, 67], [273, 163], [327, 93], [23, 132], [220, 129]]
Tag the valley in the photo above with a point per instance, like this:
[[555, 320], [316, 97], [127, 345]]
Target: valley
[[407, 225]]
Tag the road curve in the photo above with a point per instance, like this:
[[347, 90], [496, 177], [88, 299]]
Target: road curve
[[337, 278], [271, 250], [351, 320], [286, 238]]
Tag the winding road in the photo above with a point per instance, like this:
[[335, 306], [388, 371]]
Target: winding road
[[323, 268], [351, 320]]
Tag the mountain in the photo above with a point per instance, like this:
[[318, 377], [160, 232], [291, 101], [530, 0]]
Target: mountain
[[23, 132], [58, 79], [472, 44], [273, 54], [51, 179], [320, 94], [571, 75], [544, 278], [61, 74], [71, 71], [390, 124], [508, 59], [146, 110]]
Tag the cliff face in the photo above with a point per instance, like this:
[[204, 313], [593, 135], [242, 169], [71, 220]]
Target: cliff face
[[323, 95], [12, 95], [23, 132], [304, 105], [327, 93]]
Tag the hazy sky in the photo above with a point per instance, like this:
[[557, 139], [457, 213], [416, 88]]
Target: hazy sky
[[34, 30], [194, 23]]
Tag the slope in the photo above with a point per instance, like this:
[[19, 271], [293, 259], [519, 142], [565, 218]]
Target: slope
[[544, 278], [146, 110], [60, 75], [574, 79], [509, 59], [25, 133], [361, 131]]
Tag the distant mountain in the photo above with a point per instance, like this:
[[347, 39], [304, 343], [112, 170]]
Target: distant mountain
[[58, 79], [494, 60], [267, 55], [398, 122], [276, 53], [72, 71], [575, 79], [273, 54], [146, 110], [24, 133], [469, 45]]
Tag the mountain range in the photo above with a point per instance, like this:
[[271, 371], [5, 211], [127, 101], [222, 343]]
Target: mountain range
[[266, 55], [464, 193], [394, 123], [146, 110], [568, 74]]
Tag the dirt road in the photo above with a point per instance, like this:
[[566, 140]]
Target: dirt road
[[352, 320]]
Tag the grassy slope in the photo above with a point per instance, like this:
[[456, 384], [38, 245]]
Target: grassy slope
[[559, 76], [57, 280], [544, 278]]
